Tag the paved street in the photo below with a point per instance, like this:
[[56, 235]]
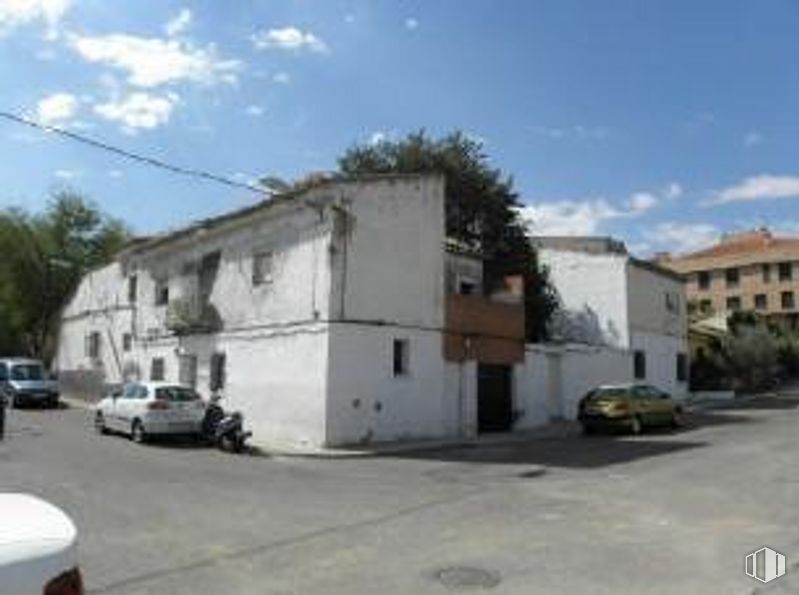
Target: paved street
[[660, 513]]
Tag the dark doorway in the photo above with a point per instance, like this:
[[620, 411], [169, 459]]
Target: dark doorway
[[494, 401]]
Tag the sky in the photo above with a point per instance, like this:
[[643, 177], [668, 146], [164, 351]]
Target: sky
[[664, 124]]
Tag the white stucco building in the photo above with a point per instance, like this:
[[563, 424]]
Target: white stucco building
[[323, 315], [612, 298]]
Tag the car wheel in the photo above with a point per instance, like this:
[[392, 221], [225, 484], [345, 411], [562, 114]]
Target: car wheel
[[137, 433], [99, 423], [636, 427]]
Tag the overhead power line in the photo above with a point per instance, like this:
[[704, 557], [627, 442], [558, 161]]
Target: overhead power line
[[138, 157]]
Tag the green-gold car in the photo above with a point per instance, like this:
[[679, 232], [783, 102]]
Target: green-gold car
[[630, 406]]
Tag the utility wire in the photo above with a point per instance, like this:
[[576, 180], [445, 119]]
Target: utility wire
[[144, 159]]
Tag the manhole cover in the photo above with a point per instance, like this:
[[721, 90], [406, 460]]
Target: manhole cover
[[467, 577]]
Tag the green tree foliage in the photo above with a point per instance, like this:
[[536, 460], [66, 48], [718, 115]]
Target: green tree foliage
[[481, 208], [44, 257]]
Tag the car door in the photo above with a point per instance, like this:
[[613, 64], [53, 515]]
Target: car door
[[108, 408], [644, 404], [663, 406], [124, 406]]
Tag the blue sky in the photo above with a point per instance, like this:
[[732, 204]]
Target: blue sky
[[663, 123]]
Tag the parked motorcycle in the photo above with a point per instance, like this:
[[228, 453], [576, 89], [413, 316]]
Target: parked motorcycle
[[224, 430]]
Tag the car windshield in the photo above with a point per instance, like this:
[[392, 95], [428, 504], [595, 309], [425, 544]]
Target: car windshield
[[607, 393], [27, 372], [176, 394]]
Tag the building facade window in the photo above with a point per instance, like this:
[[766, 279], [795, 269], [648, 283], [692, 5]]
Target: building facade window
[[161, 292], [187, 370], [218, 371], [682, 367], [732, 276], [761, 301], [157, 369], [766, 268], [787, 300], [401, 357], [703, 279], [639, 365], [672, 302], [133, 288], [93, 345], [127, 341], [705, 306], [262, 268], [733, 303], [785, 271]]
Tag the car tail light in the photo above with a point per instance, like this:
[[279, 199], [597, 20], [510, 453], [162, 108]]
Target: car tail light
[[157, 405], [68, 583]]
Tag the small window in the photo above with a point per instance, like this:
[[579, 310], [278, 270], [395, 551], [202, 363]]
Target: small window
[[127, 341], [133, 288], [261, 268], [639, 365], [703, 279], [766, 269], [187, 370], [787, 300], [93, 345], [786, 271], [466, 287], [761, 301], [706, 306], [732, 276], [401, 357], [218, 372], [682, 367], [733, 303], [672, 302], [161, 292], [157, 369]]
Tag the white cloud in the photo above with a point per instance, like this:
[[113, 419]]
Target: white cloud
[[67, 174], [57, 109], [684, 237], [578, 132], [281, 78], [289, 38], [762, 187], [139, 111], [14, 13], [115, 173], [255, 111], [582, 217], [179, 23], [673, 191], [150, 62], [753, 138], [411, 24]]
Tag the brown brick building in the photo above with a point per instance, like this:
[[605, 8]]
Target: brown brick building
[[752, 270]]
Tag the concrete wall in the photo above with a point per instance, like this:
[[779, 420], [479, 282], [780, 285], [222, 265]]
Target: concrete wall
[[661, 361], [592, 289]]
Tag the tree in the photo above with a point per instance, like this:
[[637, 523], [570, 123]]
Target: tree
[[481, 208], [45, 258]]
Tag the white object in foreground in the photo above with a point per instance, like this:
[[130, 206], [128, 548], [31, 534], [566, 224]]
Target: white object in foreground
[[38, 548]]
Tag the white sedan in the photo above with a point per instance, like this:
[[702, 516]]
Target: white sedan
[[143, 409], [38, 548]]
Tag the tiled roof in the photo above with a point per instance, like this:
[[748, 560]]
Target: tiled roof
[[738, 249]]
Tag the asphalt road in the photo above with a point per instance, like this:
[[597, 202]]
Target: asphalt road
[[660, 513]]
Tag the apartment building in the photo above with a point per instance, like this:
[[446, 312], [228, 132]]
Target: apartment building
[[753, 270]]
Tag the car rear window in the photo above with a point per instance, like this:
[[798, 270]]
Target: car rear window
[[176, 394], [27, 372]]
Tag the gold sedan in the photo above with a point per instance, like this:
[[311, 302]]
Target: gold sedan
[[630, 406]]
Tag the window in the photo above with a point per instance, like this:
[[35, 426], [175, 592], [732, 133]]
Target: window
[[161, 292], [703, 279], [261, 268], [127, 341], [732, 276], [133, 287], [401, 357], [218, 372], [786, 271], [761, 301], [93, 345], [733, 303], [3, 372], [187, 370], [682, 367], [466, 287], [673, 302], [639, 365], [766, 268], [705, 306], [787, 300], [157, 369]]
